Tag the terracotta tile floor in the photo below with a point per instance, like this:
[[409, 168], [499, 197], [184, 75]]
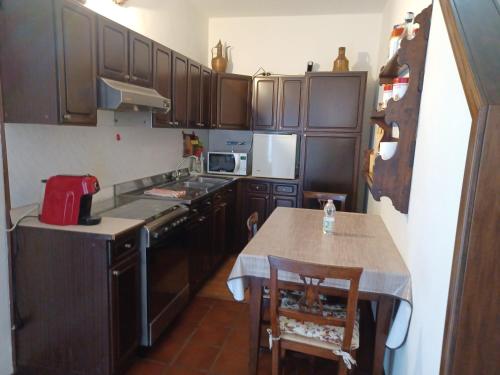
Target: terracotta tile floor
[[211, 337]]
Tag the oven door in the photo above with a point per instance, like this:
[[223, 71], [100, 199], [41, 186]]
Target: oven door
[[223, 162], [167, 287]]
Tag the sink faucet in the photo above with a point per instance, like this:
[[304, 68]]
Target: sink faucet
[[176, 173]]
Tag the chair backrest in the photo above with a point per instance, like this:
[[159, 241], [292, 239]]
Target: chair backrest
[[322, 198], [252, 225], [310, 305]]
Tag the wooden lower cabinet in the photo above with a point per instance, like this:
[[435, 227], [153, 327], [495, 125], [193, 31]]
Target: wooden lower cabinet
[[78, 302], [199, 250], [263, 196], [124, 292], [283, 201]]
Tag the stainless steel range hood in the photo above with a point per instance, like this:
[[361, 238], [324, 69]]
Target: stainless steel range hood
[[125, 97]]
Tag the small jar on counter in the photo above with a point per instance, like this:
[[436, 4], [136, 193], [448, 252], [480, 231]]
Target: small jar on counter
[[399, 87]]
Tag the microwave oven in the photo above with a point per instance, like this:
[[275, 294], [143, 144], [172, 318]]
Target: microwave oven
[[234, 163]]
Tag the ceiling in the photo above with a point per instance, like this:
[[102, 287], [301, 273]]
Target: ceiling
[[258, 8]]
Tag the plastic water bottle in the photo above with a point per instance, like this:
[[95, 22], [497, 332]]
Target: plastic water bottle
[[329, 218]]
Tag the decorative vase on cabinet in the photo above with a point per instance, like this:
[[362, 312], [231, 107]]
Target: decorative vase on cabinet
[[341, 63], [219, 62]]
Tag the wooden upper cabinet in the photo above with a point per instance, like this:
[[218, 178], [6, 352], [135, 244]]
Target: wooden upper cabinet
[[265, 103], [113, 59], [233, 101], [206, 96], [331, 164], [76, 56], [179, 89], [140, 59], [290, 102], [124, 55], [213, 98], [48, 69], [162, 80], [335, 101], [194, 94]]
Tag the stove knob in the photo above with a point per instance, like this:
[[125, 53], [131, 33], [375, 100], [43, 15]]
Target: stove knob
[[166, 229]]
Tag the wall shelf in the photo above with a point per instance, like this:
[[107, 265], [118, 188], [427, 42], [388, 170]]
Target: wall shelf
[[392, 177]]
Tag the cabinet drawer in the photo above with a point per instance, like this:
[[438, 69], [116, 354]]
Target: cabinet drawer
[[285, 189], [259, 187], [123, 246]]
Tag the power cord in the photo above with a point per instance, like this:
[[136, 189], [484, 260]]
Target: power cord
[[23, 216]]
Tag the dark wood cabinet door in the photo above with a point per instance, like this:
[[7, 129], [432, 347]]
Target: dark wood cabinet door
[[141, 56], [206, 97], [112, 41], [265, 103], [213, 104], [124, 282], [218, 240], [259, 203], [335, 101], [290, 103], [199, 251], [233, 101], [179, 89], [283, 201], [162, 80], [330, 164], [194, 94], [76, 55]]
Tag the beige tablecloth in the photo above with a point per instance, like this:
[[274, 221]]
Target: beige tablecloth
[[359, 240]]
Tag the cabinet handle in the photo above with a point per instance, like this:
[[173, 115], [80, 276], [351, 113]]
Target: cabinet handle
[[67, 117], [127, 76], [202, 219], [128, 245], [116, 273], [200, 124], [134, 78]]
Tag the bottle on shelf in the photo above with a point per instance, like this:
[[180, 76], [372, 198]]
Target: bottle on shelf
[[410, 27], [395, 40], [329, 218]]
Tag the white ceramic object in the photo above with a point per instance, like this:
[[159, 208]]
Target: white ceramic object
[[387, 149]]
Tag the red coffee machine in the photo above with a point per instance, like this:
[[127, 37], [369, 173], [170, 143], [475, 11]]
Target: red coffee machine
[[68, 200]]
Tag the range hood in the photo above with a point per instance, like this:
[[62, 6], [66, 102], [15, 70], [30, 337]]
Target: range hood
[[125, 97]]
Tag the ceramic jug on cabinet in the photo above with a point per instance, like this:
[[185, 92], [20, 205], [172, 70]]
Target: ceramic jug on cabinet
[[219, 62]]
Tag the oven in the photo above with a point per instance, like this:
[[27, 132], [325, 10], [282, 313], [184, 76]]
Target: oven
[[228, 163], [164, 273]]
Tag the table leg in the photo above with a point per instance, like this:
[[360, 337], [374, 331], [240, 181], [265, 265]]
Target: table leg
[[255, 318], [384, 314]]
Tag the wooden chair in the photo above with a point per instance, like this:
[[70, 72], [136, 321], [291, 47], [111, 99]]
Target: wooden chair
[[298, 325], [252, 225], [322, 198]]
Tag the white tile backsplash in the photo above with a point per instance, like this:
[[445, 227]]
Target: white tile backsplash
[[36, 152]]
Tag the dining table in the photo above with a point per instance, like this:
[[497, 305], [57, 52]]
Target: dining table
[[358, 240]]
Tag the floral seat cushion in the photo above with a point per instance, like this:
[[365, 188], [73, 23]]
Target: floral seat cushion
[[326, 336]]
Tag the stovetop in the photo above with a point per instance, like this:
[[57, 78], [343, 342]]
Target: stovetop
[[142, 209]]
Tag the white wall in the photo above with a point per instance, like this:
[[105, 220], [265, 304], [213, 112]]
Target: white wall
[[36, 152], [283, 45], [425, 237], [174, 23]]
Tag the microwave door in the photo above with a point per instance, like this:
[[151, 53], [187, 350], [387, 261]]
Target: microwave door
[[222, 163]]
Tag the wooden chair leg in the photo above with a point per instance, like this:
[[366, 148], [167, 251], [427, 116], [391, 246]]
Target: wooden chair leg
[[342, 368], [276, 360]]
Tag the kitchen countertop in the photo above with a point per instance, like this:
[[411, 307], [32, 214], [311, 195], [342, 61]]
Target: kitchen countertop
[[108, 229]]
